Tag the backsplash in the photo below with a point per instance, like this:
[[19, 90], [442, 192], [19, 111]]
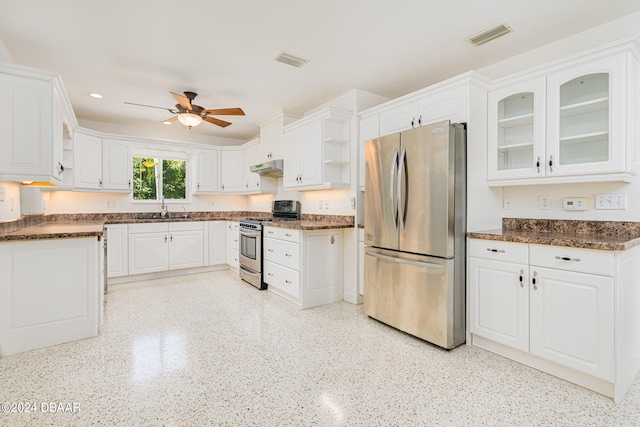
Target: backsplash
[[604, 228]]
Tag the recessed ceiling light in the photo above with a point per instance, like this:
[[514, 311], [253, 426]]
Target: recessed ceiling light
[[291, 59], [95, 95]]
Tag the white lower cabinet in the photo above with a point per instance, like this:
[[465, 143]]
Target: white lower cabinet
[[233, 244], [58, 301], [304, 267], [558, 309], [117, 250], [216, 243], [155, 247]]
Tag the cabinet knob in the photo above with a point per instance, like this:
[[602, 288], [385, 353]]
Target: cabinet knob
[[222, 187], [100, 182], [247, 185], [533, 281], [198, 186], [538, 164], [413, 122], [550, 163], [288, 282], [420, 120], [521, 278], [60, 168], [129, 183], [288, 255], [333, 239]]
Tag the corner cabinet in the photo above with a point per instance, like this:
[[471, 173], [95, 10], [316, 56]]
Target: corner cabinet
[[575, 123], [317, 151], [566, 311], [31, 125]]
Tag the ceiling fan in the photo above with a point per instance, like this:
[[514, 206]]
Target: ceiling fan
[[191, 115]]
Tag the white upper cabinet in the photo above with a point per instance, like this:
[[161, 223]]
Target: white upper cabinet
[[369, 129], [87, 162], [573, 124], [252, 182], [31, 128], [206, 172], [231, 176], [271, 136], [116, 165], [317, 151]]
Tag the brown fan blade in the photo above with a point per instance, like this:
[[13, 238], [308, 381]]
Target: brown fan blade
[[171, 120], [153, 106], [225, 112], [215, 121], [182, 100]]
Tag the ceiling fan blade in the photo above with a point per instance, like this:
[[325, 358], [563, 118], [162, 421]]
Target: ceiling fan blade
[[225, 112], [182, 100], [171, 120], [172, 111], [215, 121]]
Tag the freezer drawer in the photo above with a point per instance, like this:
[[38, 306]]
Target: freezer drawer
[[416, 294]]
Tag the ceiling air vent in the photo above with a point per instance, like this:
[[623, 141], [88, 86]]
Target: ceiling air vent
[[489, 34], [290, 59]]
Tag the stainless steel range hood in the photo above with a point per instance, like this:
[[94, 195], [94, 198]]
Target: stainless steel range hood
[[271, 168]]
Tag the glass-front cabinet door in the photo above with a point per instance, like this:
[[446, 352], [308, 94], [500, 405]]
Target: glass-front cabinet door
[[516, 134], [585, 122]]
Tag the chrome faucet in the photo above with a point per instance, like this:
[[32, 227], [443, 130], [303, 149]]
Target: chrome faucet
[[185, 212], [165, 210]]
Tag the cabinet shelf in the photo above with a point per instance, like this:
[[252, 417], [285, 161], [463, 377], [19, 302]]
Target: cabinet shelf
[[522, 120], [584, 107], [584, 138], [333, 140], [336, 162], [516, 147]]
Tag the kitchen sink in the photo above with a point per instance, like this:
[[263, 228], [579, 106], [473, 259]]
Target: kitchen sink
[[154, 218]]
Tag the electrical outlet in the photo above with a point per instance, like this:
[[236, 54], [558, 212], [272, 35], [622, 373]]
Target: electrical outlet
[[320, 205], [210, 203], [611, 201], [353, 203], [507, 202], [111, 203], [326, 204], [544, 202], [2, 193]]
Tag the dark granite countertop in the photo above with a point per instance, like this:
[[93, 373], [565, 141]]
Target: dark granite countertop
[[602, 235], [88, 225]]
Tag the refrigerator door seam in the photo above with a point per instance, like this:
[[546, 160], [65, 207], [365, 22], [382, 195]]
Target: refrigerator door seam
[[406, 261]]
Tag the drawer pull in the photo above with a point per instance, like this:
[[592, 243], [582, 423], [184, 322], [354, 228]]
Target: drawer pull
[[270, 274], [287, 254], [270, 250], [566, 258], [533, 281], [496, 250], [288, 235], [288, 282]]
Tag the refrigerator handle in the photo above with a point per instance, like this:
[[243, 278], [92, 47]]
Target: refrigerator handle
[[392, 192], [402, 195]]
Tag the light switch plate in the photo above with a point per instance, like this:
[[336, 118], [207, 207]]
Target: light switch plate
[[2, 193], [611, 201]]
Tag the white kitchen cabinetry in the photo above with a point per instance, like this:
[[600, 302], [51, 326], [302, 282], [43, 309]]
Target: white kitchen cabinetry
[[31, 129], [369, 129], [58, 301], [304, 267], [569, 312], [317, 151], [162, 246], [117, 164], [254, 183], [117, 250], [233, 244], [217, 243], [101, 164], [231, 171], [574, 123], [207, 174], [271, 136]]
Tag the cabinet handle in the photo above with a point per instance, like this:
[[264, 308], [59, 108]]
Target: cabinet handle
[[420, 120], [533, 281], [287, 255], [258, 184], [165, 238], [521, 279], [333, 239], [502, 251], [198, 186], [413, 122], [100, 182], [60, 168], [550, 163], [222, 187], [287, 234], [171, 239], [538, 164], [247, 185], [269, 274], [288, 282], [270, 250], [129, 183], [566, 258]]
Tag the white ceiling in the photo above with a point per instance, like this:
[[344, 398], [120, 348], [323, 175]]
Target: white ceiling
[[139, 50]]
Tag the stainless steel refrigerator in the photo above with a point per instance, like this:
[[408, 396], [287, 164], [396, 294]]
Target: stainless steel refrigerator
[[415, 224]]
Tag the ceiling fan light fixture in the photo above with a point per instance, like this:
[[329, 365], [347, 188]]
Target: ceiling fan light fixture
[[190, 119]]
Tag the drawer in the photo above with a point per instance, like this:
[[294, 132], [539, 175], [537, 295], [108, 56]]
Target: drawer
[[282, 279], [499, 251], [287, 234], [186, 226], [281, 252], [154, 227], [573, 259], [271, 232]]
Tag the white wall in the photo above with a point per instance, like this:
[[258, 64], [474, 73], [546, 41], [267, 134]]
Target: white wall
[[525, 198], [10, 206]]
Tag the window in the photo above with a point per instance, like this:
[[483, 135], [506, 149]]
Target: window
[[152, 182]]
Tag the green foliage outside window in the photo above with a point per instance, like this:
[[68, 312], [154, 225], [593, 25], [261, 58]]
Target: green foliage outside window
[[147, 175]]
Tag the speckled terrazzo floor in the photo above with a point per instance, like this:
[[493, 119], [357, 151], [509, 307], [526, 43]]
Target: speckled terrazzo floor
[[207, 349]]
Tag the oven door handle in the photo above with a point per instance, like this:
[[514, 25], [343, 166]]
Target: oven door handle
[[249, 234]]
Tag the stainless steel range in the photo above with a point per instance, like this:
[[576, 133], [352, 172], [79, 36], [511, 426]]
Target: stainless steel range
[[251, 240]]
